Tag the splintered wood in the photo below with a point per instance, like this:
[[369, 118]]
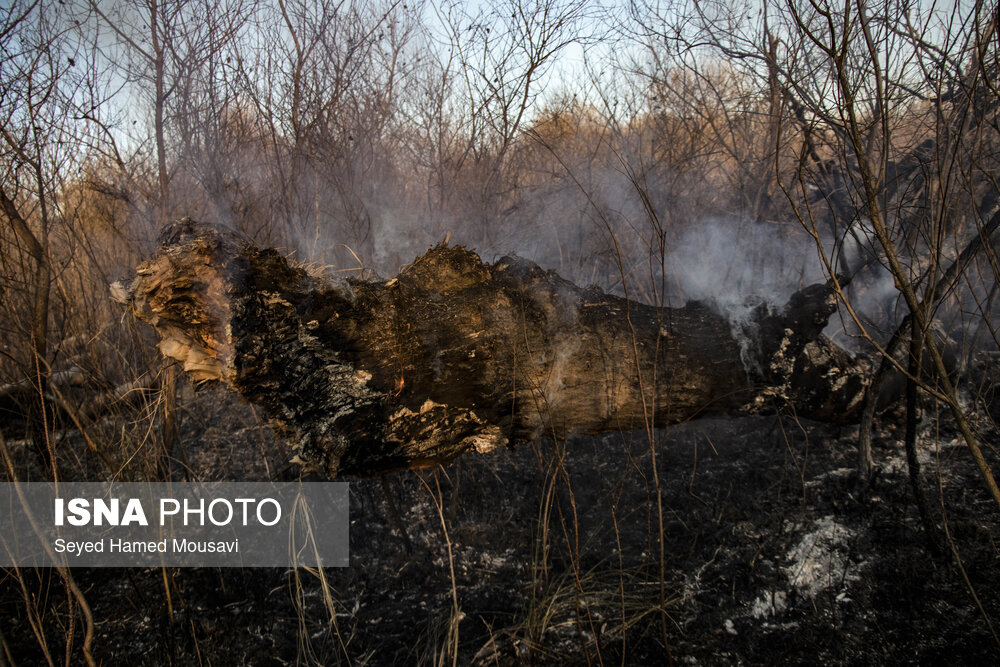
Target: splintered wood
[[455, 355]]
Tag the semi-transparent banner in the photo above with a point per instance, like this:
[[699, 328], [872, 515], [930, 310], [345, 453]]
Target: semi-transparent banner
[[219, 524]]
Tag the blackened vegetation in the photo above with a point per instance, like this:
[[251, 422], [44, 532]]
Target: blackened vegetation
[[742, 495], [454, 355]]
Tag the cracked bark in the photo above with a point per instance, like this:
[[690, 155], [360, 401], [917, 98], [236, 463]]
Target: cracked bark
[[455, 355]]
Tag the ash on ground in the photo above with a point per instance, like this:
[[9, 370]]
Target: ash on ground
[[770, 555]]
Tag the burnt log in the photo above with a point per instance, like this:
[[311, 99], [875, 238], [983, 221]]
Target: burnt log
[[455, 355]]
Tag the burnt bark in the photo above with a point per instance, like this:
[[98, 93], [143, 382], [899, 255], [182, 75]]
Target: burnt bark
[[454, 355]]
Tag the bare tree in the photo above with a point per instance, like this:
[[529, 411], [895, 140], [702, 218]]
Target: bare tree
[[37, 134], [505, 52], [168, 52]]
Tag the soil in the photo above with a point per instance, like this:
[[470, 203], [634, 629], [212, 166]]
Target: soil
[[770, 556]]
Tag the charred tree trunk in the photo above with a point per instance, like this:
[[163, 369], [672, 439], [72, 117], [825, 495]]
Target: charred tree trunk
[[454, 355]]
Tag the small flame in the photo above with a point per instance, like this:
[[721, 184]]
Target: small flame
[[399, 385]]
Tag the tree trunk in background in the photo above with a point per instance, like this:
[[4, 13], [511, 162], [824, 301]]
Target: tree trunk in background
[[454, 355], [168, 374]]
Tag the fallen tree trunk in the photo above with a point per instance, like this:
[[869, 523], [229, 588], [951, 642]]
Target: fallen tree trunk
[[454, 355]]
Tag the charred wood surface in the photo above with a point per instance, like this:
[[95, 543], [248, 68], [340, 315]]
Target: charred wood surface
[[454, 355]]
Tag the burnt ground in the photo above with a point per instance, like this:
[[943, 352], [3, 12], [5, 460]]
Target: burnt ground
[[770, 557]]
